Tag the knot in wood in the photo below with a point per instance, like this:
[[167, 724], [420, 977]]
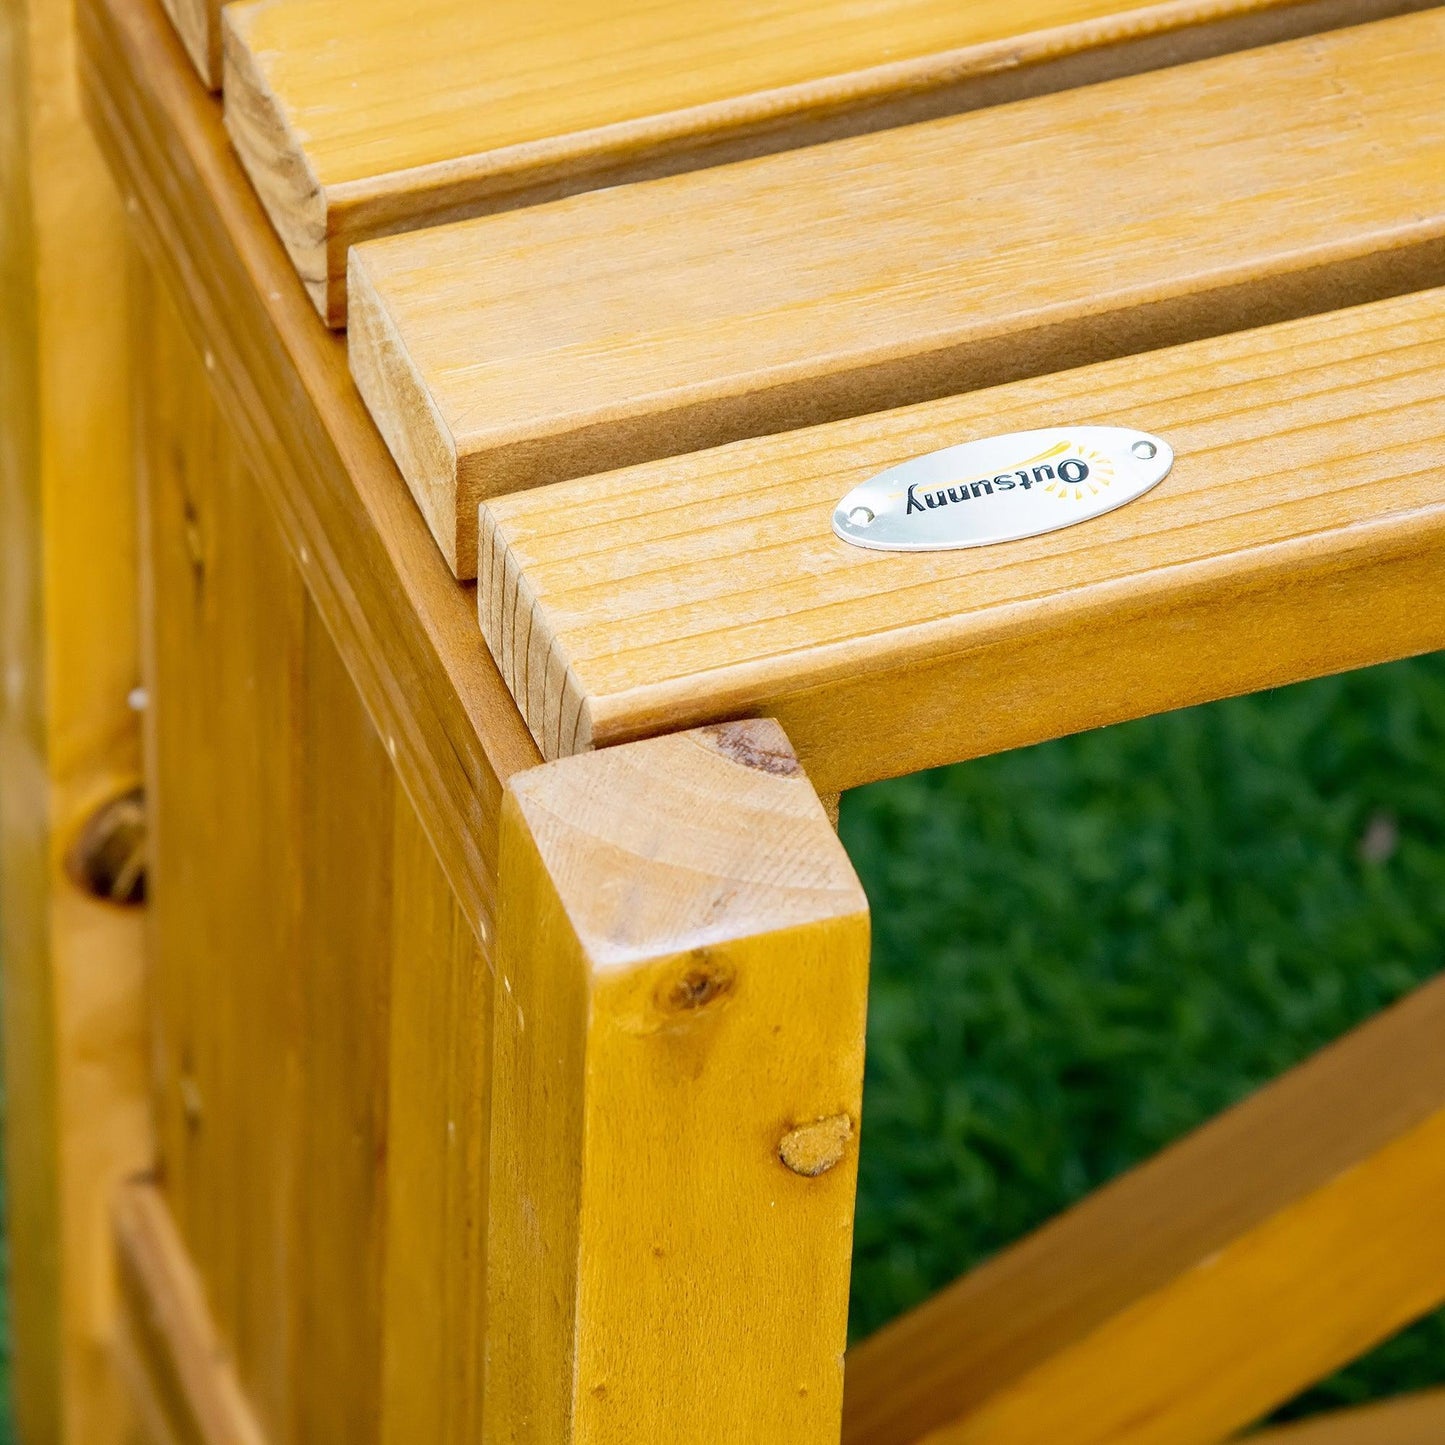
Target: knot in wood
[[703, 979]]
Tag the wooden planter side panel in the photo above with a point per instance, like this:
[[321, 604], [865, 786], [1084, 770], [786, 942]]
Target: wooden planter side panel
[[405, 632], [75, 1107], [321, 1025]]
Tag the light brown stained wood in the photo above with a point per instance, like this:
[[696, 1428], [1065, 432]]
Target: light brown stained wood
[[648, 321], [198, 23], [226, 620], [682, 962], [76, 1117], [360, 119], [1204, 1288], [405, 632], [176, 1364], [1408, 1420], [1301, 531], [438, 1131], [322, 1007]]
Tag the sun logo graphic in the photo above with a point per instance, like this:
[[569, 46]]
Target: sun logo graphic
[[1082, 472]]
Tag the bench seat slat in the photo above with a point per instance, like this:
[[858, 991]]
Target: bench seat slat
[[1301, 531], [360, 117], [620, 326]]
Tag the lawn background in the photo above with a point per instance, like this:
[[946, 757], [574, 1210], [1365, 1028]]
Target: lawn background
[[1084, 949]]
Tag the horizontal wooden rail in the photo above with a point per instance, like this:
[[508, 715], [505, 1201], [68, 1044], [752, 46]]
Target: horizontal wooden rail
[[1301, 531], [644, 321], [1408, 1420], [407, 633], [358, 119], [1204, 1288]]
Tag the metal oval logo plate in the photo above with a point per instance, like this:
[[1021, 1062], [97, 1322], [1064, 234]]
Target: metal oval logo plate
[[1002, 488]]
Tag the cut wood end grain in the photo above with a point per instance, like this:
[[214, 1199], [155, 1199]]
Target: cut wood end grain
[[275, 159], [693, 882], [198, 23]]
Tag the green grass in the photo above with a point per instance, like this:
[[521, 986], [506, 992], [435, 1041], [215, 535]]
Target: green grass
[[1084, 949]]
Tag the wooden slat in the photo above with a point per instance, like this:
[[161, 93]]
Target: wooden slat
[[76, 1116], [437, 1145], [407, 635], [176, 1365], [1301, 531], [1408, 1420], [1193, 1295], [683, 967], [226, 622], [644, 321], [358, 119]]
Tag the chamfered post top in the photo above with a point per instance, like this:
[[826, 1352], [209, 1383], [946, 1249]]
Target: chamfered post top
[[681, 842]]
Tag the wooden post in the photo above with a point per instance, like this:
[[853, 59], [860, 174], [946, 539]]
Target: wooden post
[[681, 989], [76, 1108]]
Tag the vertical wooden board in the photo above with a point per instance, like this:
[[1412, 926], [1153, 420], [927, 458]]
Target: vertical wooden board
[[76, 1115], [225, 612], [438, 1123], [343, 962], [682, 962]]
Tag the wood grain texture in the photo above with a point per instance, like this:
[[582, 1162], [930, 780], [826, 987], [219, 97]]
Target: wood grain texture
[[358, 120], [682, 966], [1406, 1420], [648, 321], [225, 627], [1202, 1289], [75, 1098], [437, 1149], [176, 1365], [321, 1003], [407, 635], [1301, 531]]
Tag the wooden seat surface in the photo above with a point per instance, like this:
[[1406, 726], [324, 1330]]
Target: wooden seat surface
[[1308, 490], [648, 320], [359, 117]]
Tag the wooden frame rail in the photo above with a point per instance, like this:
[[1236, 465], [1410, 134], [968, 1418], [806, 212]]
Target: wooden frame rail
[[1203, 1288]]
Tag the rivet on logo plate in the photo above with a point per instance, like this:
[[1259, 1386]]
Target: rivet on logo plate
[[860, 516], [1144, 450]]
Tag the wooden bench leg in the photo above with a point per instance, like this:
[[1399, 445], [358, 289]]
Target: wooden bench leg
[[681, 989]]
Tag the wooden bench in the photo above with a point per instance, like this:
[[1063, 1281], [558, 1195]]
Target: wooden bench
[[489, 1064]]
